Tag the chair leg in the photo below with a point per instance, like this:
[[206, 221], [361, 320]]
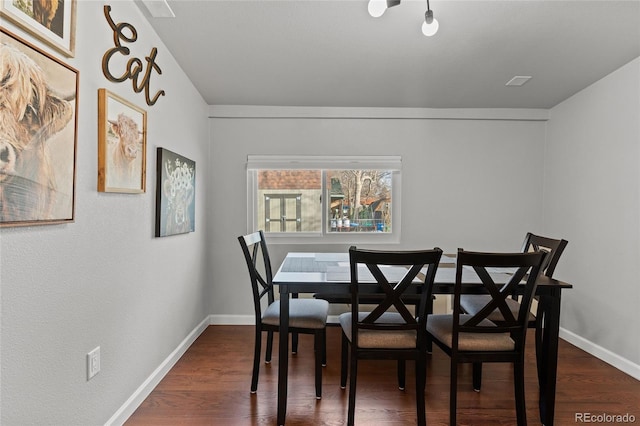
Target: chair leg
[[539, 334], [477, 376], [294, 336], [267, 354], [429, 312], [518, 380], [324, 347], [352, 387], [344, 359], [402, 369], [256, 360], [319, 344], [421, 380], [453, 392]]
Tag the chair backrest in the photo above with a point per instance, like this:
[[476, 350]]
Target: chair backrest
[[256, 255], [383, 277], [477, 269], [553, 247]]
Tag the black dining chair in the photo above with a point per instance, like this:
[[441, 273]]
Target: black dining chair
[[474, 338], [306, 316], [389, 330], [554, 248]]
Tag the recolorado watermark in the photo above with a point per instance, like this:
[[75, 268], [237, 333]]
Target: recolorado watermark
[[604, 418]]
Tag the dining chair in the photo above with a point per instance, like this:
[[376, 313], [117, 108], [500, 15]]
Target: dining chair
[[474, 338], [471, 304], [306, 316], [389, 330]]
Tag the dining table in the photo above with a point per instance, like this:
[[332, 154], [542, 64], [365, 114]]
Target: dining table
[[328, 273]]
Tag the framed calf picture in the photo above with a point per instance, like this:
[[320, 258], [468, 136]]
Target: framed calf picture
[[52, 21], [175, 194], [38, 125], [122, 145]]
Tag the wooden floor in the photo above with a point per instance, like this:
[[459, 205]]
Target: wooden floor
[[210, 386]]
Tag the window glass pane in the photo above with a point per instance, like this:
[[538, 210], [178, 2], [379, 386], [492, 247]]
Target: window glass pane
[[359, 200], [289, 200]]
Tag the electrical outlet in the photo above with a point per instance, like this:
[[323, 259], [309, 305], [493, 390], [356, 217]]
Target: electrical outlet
[[93, 363]]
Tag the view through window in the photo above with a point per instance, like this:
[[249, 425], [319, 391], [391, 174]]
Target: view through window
[[325, 200]]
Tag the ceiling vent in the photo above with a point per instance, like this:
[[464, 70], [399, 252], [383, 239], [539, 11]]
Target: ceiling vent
[[159, 8], [518, 80]]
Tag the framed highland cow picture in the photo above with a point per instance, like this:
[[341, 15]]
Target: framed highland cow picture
[[38, 127], [175, 194], [52, 21], [122, 145]]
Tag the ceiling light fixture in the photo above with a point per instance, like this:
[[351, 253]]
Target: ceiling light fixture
[[378, 7], [429, 26]]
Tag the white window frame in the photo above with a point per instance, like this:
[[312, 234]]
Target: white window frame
[[297, 162]]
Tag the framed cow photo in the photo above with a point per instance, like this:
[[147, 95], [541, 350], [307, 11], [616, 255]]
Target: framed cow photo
[[52, 21], [175, 194], [122, 145], [38, 128]]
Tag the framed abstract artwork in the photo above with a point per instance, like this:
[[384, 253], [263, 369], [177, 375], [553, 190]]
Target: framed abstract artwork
[[38, 131], [122, 145], [52, 21], [175, 194]]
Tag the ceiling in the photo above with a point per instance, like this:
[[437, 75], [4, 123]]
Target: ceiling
[[331, 53]]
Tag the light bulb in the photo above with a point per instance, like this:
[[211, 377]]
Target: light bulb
[[377, 7], [430, 29]]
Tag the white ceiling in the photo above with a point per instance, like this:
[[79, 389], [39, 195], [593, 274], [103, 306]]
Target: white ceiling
[[332, 53]]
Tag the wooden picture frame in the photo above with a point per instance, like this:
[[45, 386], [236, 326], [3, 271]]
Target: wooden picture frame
[[38, 133], [175, 194], [122, 145], [56, 27]]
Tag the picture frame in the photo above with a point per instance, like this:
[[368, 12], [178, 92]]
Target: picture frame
[[122, 145], [57, 28], [38, 135], [175, 194]]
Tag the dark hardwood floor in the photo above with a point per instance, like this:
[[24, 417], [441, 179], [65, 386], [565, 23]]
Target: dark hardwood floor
[[210, 386]]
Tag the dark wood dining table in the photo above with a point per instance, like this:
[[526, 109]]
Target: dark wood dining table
[[329, 273]]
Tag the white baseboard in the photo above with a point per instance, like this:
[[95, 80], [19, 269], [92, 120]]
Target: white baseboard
[[134, 401], [599, 352], [249, 319], [232, 319]]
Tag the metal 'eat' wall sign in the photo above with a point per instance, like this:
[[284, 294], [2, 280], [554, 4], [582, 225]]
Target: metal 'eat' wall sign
[[127, 33]]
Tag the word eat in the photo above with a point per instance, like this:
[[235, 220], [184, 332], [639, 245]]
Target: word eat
[[134, 65]]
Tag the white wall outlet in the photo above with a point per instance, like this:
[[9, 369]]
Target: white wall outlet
[[93, 363]]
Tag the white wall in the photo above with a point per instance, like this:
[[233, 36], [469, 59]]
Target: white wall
[[104, 280], [591, 198], [475, 184]]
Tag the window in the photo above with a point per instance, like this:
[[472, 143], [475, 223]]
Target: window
[[328, 199]]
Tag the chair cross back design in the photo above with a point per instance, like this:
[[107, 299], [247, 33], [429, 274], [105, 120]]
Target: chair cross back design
[[498, 296], [391, 297], [390, 330], [258, 244], [552, 246]]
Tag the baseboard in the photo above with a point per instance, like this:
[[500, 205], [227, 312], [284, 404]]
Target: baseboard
[[599, 352], [232, 319], [249, 319], [134, 401]]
